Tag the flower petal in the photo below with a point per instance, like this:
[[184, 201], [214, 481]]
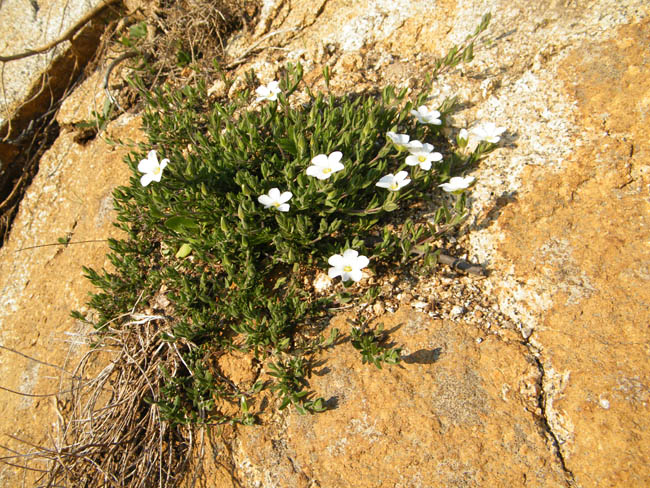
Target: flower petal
[[146, 179], [412, 160], [163, 164], [284, 207], [436, 156], [336, 167], [426, 166], [350, 254], [356, 275], [401, 139], [414, 146], [334, 272], [336, 260], [320, 160], [335, 157], [147, 165], [316, 171], [362, 262], [401, 175], [265, 200], [285, 197], [274, 193], [386, 181]]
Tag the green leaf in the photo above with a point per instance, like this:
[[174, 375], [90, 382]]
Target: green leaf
[[154, 212], [179, 224], [184, 251], [390, 206], [138, 31]]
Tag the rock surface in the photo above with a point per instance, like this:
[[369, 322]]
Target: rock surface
[[27, 25], [586, 251], [32, 85], [71, 197], [544, 378], [456, 412]]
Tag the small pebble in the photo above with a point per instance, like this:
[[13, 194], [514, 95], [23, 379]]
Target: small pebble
[[322, 282], [457, 311], [604, 403], [405, 297]]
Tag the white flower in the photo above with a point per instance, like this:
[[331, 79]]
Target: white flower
[[488, 132], [422, 155], [426, 116], [324, 166], [458, 184], [151, 168], [276, 199], [462, 138], [401, 141], [268, 92], [394, 182], [348, 266]]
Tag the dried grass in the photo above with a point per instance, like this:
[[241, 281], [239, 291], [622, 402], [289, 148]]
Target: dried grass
[[198, 28], [110, 436]]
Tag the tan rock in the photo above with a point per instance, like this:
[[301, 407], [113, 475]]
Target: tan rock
[[31, 81], [450, 415], [238, 367], [89, 97], [39, 287], [586, 247], [218, 89]]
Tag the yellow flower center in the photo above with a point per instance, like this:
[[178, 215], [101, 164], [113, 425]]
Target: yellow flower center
[[347, 269], [422, 159], [156, 170], [393, 186], [276, 204], [327, 170]]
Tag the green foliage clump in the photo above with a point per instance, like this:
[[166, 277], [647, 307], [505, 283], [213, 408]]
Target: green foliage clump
[[371, 344], [234, 271]]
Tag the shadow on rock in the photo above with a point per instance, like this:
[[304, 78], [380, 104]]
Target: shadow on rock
[[423, 356]]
